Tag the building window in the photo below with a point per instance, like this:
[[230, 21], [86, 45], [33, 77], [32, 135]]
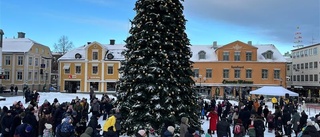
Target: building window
[[315, 64], [306, 65], [237, 73], [315, 77], [111, 86], [301, 53], [302, 77], [36, 61], [94, 69], [95, 55], [37, 50], [298, 66], [311, 77], [202, 55], [67, 70], [30, 75], [195, 73], [294, 66], [36, 75], [264, 73], [48, 63], [306, 77], [248, 73], [268, 54], [208, 73], [78, 69], [237, 56], [8, 60], [276, 74], [311, 65], [30, 61], [225, 56], [225, 73], [20, 60], [110, 69], [7, 75], [94, 86], [302, 66], [248, 56], [19, 75], [315, 51], [288, 67], [298, 77], [306, 52], [294, 78]]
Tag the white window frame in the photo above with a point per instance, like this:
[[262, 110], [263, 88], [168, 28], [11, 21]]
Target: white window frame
[[248, 75], [237, 56], [36, 75], [227, 55], [30, 75], [95, 66], [30, 61], [6, 75], [209, 73], [7, 60], [263, 75], [36, 61], [20, 60], [76, 68], [276, 74], [237, 73], [95, 51], [19, 77]]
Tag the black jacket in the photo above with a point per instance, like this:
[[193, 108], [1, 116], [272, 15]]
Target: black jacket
[[311, 131], [223, 129], [259, 127]]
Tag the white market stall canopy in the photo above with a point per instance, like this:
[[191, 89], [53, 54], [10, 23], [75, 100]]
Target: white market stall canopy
[[273, 91]]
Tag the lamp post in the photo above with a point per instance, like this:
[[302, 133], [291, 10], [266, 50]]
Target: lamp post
[[1, 42], [200, 81]]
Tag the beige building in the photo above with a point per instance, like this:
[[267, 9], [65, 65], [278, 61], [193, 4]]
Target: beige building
[[25, 61]]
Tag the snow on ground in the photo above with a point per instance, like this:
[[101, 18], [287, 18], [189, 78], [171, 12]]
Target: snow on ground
[[63, 97]]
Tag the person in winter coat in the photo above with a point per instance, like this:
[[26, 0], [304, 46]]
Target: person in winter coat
[[24, 130], [265, 113], [259, 126], [303, 119], [288, 129], [184, 126], [238, 129], [31, 119], [165, 126], [191, 132], [93, 123], [118, 121], [310, 130], [295, 120], [47, 132], [44, 119], [110, 122], [87, 133], [65, 129], [110, 133], [6, 124], [270, 120], [214, 118], [251, 131], [16, 122], [95, 107], [223, 128]]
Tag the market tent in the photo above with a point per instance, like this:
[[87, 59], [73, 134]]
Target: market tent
[[273, 91]]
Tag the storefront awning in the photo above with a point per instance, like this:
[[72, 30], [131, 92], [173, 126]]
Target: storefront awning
[[66, 66]]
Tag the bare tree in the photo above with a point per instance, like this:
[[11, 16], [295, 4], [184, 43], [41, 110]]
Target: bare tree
[[63, 45]]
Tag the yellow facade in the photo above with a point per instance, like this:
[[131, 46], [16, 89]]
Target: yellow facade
[[97, 72]]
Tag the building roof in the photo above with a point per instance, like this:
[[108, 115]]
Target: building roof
[[211, 56], [317, 44], [115, 50], [17, 44]]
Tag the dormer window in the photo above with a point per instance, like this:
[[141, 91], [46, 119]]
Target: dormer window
[[268, 54], [202, 55]]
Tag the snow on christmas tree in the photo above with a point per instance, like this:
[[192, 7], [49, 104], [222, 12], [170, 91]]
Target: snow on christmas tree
[[156, 82]]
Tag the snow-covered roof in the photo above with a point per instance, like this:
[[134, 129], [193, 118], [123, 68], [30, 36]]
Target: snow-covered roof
[[208, 49], [115, 50], [17, 44], [276, 57]]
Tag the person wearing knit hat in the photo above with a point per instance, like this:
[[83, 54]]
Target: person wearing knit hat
[[142, 133], [28, 128], [170, 129]]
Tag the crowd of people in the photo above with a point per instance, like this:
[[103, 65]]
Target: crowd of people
[[59, 119], [252, 117]]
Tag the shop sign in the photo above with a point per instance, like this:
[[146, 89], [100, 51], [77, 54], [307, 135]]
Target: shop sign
[[72, 76], [93, 77], [236, 82], [237, 66]]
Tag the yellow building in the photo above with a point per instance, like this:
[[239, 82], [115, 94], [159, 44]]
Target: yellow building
[[92, 66], [237, 66], [25, 62]]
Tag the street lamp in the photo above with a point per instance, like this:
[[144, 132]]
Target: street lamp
[[200, 81]]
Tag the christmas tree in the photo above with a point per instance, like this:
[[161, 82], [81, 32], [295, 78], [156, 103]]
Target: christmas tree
[[156, 82]]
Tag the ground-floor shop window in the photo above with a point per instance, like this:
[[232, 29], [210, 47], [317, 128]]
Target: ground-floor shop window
[[111, 86], [94, 86], [72, 86]]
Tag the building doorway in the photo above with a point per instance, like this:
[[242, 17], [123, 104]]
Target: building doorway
[[94, 86], [71, 86]]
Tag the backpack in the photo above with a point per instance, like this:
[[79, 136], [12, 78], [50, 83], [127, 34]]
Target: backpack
[[259, 129], [237, 129]]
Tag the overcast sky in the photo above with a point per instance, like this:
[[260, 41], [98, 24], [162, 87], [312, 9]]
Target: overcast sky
[[260, 21]]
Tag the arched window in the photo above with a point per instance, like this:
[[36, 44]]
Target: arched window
[[202, 55]]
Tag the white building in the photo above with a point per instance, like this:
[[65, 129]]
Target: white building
[[305, 73]]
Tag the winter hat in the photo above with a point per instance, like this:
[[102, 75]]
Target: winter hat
[[309, 123], [142, 132], [48, 126], [28, 128], [170, 129]]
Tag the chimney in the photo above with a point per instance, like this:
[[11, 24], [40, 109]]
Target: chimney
[[249, 42], [1, 37], [88, 43], [21, 35], [112, 41]]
